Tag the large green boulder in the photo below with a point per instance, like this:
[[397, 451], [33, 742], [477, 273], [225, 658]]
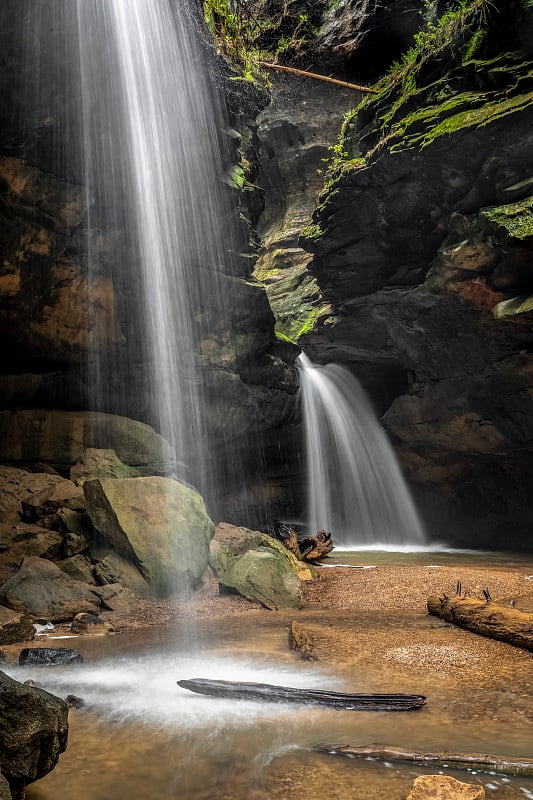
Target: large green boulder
[[264, 574], [158, 524], [62, 437], [33, 733]]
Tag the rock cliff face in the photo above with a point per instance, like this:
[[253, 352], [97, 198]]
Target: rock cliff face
[[72, 336], [422, 259]]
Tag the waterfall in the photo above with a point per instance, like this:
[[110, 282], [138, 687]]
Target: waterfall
[[355, 486], [137, 127]]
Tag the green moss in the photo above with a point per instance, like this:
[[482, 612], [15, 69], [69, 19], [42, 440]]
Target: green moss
[[515, 218], [510, 308], [467, 110], [474, 45], [235, 177], [311, 233]]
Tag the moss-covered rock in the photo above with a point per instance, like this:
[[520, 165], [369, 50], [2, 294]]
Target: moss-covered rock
[[265, 575], [158, 524]]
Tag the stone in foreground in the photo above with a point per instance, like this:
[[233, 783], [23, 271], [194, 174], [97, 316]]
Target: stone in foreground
[[41, 589], [443, 787], [33, 733], [158, 524]]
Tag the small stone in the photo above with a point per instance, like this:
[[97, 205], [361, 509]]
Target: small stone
[[74, 702], [49, 656], [17, 628], [443, 787], [89, 624]]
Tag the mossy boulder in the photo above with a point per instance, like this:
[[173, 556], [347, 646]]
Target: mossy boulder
[[267, 572], [158, 524], [33, 733]]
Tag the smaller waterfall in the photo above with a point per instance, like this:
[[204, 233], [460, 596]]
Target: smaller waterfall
[[355, 487]]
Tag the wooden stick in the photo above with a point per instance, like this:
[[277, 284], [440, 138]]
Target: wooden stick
[[305, 74], [508, 766]]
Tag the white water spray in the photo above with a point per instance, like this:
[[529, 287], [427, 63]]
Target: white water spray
[[135, 121], [355, 486]]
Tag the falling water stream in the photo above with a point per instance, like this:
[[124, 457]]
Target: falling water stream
[[137, 124], [355, 486]]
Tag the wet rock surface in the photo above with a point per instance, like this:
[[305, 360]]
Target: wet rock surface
[[158, 524], [420, 240], [33, 733], [443, 787], [49, 656], [41, 589]]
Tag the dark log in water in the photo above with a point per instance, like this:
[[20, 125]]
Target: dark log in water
[[267, 693], [508, 766], [486, 618]]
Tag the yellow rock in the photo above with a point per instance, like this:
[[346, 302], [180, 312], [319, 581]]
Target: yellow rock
[[442, 787]]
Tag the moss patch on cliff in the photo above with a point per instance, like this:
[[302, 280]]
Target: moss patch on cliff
[[516, 219], [247, 32]]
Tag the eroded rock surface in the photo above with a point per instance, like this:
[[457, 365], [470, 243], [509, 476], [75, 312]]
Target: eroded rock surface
[[158, 524], [41, 589], [33, 733]]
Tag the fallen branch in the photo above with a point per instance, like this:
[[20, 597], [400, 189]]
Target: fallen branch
[[267, 693], [306, 547], [505, 623], [507, 766], [303, 73]]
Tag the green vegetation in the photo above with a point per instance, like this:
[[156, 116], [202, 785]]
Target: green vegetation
[[515, 218], [455, 76], [247, 32]]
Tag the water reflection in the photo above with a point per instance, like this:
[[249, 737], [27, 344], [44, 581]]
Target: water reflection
[[141, 736]]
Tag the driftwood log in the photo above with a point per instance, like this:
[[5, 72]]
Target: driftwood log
[[490, 619], [268, 693], [508, 766], [306, 547]]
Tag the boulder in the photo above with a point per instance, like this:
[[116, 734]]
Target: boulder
[[234, 536], [73, 522], [158, 524], [15, 627], [117, 598], [74, 544], [79, 568], [48, 501], [41, 589], [16, 484], [49, 656], [61, 438], [264, 575], [89, 625], [443, 787], [20, 540], [115, 569], [95, 463], [33, 733]]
